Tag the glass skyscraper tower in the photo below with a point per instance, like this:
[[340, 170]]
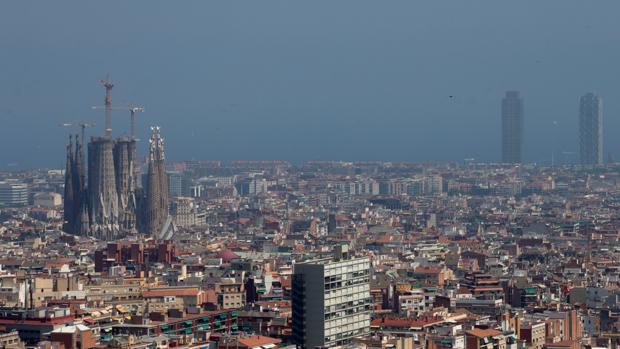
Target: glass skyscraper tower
[[512, 127], [591, 129]]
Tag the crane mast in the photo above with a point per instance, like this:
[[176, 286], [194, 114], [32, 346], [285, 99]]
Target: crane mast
[[108, 104], [133, 109]]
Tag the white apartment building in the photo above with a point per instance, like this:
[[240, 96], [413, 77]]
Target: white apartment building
[[331, 300]]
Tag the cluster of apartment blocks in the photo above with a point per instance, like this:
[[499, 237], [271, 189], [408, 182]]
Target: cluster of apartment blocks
[[425, 185], [444, 267]]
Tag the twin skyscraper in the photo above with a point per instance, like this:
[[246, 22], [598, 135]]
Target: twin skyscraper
[[590, 129]]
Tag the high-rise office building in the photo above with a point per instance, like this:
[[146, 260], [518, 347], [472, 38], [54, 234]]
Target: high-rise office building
[[331, 300], [13, 193], [512, 127], [175, 184], [179, 183], [591, 129]]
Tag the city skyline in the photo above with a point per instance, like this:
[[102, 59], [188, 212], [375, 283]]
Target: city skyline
[[566, 156], [374, 87], [344, 174]]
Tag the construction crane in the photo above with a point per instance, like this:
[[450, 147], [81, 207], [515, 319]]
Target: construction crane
[[66, 125], [82, 125], [133, 109], [108, 104]]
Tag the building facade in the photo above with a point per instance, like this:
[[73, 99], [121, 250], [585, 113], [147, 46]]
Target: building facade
[[183, 211], [47, 199], [591, 129], [331, 300], [13, 194]]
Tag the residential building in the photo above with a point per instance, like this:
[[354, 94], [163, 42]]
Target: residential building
[[331, 300], [484, 339]]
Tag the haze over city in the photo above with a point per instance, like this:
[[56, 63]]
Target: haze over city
[[346, 174], [344, 80]]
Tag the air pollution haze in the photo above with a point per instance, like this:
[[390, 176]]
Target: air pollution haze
[[314, 80]]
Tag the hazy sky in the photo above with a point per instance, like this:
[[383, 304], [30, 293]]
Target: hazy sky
[[307, 80]]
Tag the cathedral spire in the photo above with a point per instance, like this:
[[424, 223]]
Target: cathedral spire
[[156, 205], [79, 189], [69, 194]]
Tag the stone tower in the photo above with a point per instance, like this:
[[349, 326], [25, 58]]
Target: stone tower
[[124, 163], [69, 194], [156, 202], [102, 194], [80, 195]]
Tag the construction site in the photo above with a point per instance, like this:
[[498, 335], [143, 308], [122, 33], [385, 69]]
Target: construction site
[[101, 195]]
